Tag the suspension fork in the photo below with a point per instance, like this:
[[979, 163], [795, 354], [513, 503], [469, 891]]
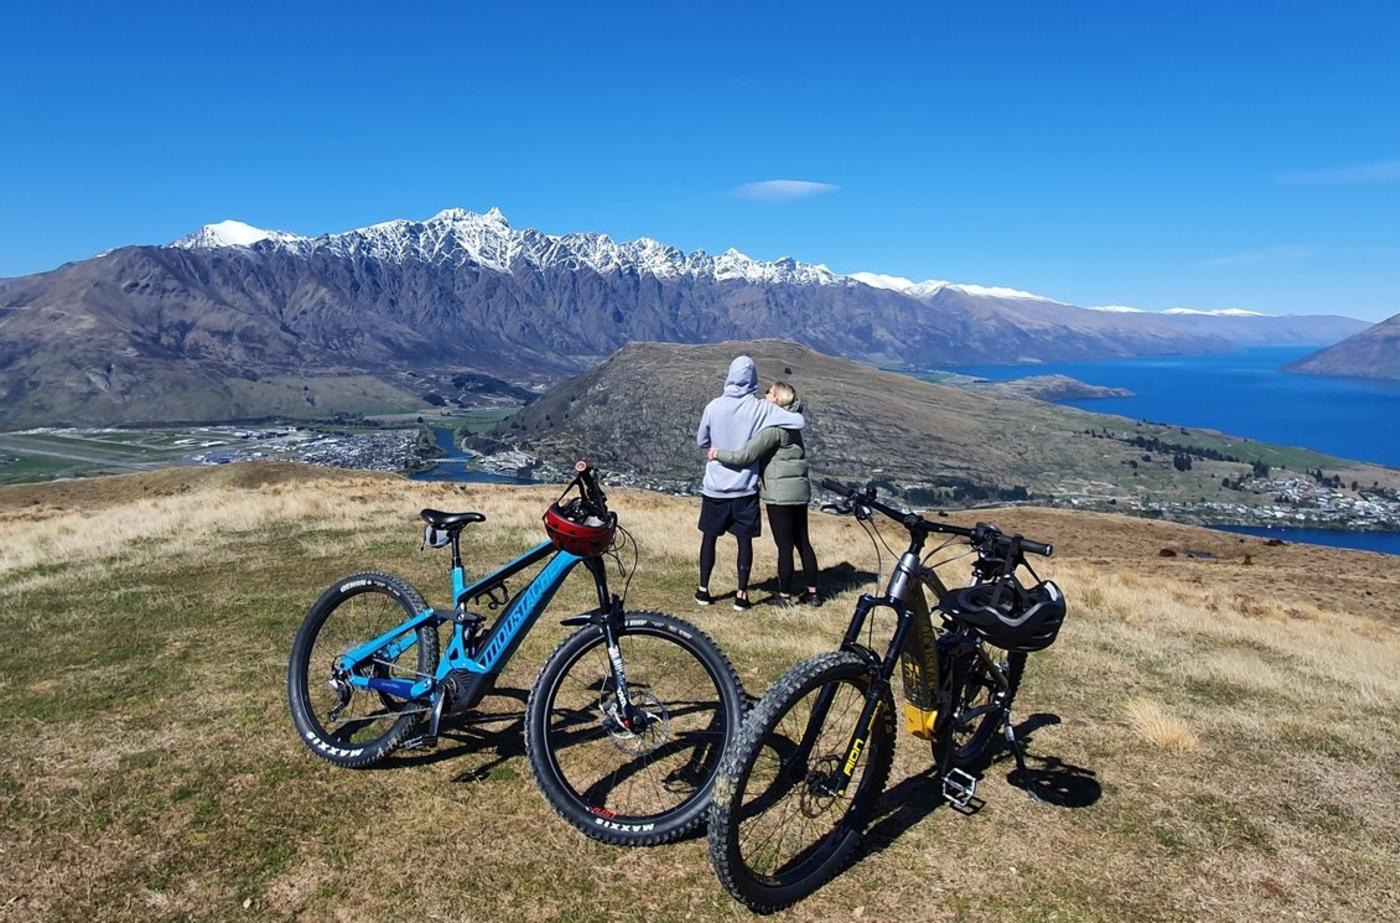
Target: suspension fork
[[880, 672], [611, 617]]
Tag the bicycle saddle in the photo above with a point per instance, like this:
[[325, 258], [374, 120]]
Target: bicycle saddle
[[450, 521]]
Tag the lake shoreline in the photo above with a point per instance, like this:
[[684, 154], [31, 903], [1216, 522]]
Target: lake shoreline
[[1243, 393]]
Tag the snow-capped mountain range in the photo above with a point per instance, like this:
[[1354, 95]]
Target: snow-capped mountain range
[[234, 321], [456, 236]]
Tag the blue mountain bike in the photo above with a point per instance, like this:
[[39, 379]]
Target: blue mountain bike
[[626, 723]]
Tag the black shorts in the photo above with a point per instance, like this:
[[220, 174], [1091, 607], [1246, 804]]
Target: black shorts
[[735, 515]]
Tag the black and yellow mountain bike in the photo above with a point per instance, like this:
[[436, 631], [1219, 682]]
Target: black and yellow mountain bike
[[812, 758]]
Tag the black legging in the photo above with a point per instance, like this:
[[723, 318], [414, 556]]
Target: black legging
[[707, 559], [789, 524]]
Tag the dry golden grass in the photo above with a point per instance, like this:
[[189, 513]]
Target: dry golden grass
[[1160, 728], [1226, 733]]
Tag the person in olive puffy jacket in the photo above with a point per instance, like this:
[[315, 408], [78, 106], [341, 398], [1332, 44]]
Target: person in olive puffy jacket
[[785, 488]]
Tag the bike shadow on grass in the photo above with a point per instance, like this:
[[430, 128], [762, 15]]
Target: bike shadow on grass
[[1058, 783], [495, 727], [496, 730]]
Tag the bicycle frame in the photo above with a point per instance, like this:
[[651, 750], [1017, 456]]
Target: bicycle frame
[[954, 648], [494, 650]]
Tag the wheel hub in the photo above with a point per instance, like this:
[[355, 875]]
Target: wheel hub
[[644, 728], [818, 792]]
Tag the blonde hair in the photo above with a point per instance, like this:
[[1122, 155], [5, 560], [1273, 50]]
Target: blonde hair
[[784, 394]]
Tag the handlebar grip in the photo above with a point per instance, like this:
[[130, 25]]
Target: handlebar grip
[[1039, 548], [837, 487]]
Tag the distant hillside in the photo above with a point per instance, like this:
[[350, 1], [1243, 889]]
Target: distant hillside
[[1372, 353], [1247, 329], [637, 413]]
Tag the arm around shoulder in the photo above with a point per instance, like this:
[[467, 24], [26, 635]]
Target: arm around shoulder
[[763, 442]]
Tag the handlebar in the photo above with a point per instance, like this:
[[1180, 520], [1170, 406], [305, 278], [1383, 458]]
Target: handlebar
[[587, 481], [586, 477], [983, 535]]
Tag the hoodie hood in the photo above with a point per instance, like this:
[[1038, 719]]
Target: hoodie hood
[[742, 378]]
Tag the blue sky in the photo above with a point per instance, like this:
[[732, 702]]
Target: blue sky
[[1214, 154]]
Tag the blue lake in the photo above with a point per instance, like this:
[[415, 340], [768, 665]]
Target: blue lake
[[452, 466], [1243, 394]]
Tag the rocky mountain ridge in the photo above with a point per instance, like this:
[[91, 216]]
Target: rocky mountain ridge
[[235, 322]]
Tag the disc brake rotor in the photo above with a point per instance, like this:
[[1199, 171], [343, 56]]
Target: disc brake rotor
[[638, 737]]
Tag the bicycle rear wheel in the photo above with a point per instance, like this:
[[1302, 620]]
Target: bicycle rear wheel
[[641, 779], [777, 830], [978, 714], [338, 722]]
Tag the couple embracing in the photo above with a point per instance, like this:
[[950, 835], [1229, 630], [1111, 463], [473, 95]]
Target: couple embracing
[[755, 451]]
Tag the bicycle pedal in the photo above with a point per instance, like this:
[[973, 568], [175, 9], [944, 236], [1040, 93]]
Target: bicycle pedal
[[959, 788], [422, 742]]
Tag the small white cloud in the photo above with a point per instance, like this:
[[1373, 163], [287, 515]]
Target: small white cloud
[[1382, 171], [783, 190], [1250, 257]]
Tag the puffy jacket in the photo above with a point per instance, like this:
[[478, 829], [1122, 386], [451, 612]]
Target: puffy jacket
[[782, 464]]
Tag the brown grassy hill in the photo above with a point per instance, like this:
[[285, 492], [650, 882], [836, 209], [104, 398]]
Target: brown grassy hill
[[637, 412], [1226, 731]]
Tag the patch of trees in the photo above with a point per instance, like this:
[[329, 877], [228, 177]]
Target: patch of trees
[[1153, 444], [953, 490], [1334, 480]]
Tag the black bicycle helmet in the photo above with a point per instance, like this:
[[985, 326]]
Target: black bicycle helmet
[[1008, 615]]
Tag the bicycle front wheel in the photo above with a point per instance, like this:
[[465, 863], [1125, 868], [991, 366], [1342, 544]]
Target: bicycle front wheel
[[641, 777], [779, 828]]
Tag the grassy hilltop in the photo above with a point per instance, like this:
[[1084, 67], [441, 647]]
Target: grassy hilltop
[[636, 412], [1224, 730]]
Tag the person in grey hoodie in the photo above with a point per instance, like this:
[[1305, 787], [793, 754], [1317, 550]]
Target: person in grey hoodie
[[729, 494], [785, 487]]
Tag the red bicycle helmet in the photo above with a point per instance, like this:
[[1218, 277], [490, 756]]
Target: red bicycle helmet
[[578, 531]]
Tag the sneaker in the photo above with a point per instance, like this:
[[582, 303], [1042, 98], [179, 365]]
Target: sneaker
[[812, 599], [703, 597], [742, 603]]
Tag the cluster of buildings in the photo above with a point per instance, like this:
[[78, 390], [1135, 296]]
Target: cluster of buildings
[[1294, 501], [386, 450]]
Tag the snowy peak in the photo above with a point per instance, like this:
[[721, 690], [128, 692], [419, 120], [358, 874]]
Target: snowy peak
[[493, 216], [1218, 312], [930, 287], [486, 241], [900, 284], [230, 234], [459, 237]]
